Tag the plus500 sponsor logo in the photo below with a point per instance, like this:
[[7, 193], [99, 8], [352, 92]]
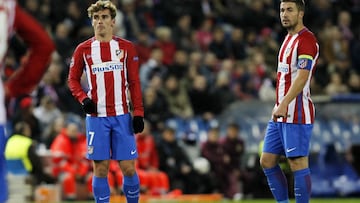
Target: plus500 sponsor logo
[[283, 67], [106, 67]]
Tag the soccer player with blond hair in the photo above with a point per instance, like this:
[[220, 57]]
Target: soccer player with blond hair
[[111, 67]]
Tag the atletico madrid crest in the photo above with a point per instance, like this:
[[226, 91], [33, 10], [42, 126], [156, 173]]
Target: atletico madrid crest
[[119, 53], [90, 149]]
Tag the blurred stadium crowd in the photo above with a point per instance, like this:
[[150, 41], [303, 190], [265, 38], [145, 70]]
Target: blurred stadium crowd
[[196, 58]]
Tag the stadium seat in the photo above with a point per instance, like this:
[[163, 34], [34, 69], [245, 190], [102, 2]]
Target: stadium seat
[[19, 182]]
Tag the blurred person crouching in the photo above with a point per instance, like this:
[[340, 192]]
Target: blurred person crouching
[[20, 146], [70, 165]]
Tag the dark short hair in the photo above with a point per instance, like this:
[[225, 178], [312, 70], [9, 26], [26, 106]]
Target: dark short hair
[[20, 127], [300, 4]]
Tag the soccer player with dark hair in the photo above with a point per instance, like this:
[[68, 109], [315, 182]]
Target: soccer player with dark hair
[[14, 20], [111, 66], [289, 131]]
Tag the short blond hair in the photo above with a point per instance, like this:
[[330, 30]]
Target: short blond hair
[[102, 5]]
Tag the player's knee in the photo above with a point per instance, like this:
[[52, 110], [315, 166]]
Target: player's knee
[[101, 168], [129, 171], [267, 161], [128, 167], [298, 163]]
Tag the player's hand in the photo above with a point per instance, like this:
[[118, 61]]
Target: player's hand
[[88, 106], [138, 124], [279, 112]]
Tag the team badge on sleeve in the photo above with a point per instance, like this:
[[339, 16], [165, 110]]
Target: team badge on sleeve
[[304, 63]]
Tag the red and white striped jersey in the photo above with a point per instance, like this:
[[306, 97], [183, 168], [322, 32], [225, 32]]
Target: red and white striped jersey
[[7, 17], [299, 51], [112, 72], [14, 19]]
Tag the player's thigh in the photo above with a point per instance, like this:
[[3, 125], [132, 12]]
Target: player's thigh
[[123, 144], [98, 138], [273, 141], [297, 139]]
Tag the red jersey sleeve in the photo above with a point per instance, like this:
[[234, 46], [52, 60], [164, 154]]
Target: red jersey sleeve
[[308, 45], [40, 45], [134, 81], [76, 70]]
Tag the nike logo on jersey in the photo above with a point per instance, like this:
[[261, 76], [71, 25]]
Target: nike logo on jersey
[[290, 149], [133, 152]]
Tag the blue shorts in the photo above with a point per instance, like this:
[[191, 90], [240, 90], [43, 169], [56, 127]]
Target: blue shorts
[[110, 138], [291, 140]]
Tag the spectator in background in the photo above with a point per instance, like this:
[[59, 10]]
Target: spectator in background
[[250, 81], [175, 163], [25, 113], [182, 33], [344, 23], [213, 151], [204, 35], [119, 28], [201, 98], [143, 46], [20, 146], [165, 43], [70, 164], [171, 10], [233, 147], [52, 81], [354, 50], [177, 98], [336, 52], [148, 161], [257, 16], [133, 19], [336, 85], [180, 65], [269, 47], [354, 83], [239, 81], [153, 66], [46, 112], [219, 45], [223, 95], [237, 44], [63, 41], [209, 68], [52, 130], [155, 109], [77, 21], [195, 62]]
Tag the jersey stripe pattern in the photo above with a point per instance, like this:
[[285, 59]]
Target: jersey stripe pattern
[[109, 66], [7, 16], [301, 46]]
